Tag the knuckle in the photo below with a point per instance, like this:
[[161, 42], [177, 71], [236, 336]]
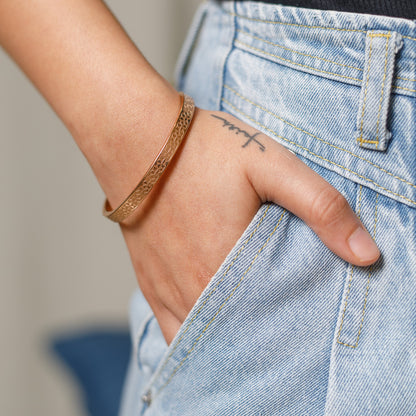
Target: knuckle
[[329, 207]]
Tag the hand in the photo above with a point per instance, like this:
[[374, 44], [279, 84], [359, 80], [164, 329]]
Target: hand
[[105, 91], [221, 175]]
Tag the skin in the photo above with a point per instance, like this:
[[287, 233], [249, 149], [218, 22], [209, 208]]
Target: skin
[[120, 111]]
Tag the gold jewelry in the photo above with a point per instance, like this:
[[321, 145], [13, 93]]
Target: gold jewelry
[[156, 169]]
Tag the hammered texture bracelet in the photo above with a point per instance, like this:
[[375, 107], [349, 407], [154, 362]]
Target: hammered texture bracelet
[[160, 163]]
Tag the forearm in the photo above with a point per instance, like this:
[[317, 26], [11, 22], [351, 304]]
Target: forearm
[[118, 109]]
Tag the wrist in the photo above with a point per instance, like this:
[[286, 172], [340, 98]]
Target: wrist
[[128, 135]]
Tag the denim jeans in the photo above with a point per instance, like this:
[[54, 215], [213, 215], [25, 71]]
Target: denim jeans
[[285, 327]]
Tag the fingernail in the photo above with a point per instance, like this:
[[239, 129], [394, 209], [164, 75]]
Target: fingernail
[[363, 246]]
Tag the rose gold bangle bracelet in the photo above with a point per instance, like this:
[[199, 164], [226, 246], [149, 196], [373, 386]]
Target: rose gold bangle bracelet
[[156, 169]]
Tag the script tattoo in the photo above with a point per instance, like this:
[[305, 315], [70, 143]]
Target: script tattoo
[[250, 137]]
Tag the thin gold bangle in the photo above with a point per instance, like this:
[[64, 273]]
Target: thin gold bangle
[[156, 169]]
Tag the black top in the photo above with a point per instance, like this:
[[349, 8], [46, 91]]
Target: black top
[[393, 8]]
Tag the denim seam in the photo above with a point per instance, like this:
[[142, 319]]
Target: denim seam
[[297, 52], [406, 79], [388, 36], [274, 22], [360, 138], [189, 45], [376, 142], [403, 88], [295, 63], [318, 156], [370, 271], [244, 245], [382, 87], [320, 139], [224, 66], [367, 288], [175, 370], [316, 57], [138, 338], [350, 280]]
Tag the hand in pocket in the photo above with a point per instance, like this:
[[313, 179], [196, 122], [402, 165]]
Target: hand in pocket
[[221, 175]]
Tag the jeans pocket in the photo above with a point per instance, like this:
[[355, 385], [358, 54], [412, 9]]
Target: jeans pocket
[[232, 272], [359, 279], [216, 302], [151, 355]]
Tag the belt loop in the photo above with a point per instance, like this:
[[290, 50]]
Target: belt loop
[[380, 52]]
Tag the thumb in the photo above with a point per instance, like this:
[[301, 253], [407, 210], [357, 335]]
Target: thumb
[[307, 195]]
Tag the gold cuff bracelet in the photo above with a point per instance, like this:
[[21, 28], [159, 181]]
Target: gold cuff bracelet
[[156, 169]]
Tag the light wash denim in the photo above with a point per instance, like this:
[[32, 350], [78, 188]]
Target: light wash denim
[[285, 327]]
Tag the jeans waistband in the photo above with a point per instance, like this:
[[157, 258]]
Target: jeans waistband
[[393, 8], [343, 35], [366, 131]]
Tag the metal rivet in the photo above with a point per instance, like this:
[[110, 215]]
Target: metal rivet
[[147, 397]]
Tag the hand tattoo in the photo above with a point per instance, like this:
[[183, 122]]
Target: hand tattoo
[[250, 137]]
